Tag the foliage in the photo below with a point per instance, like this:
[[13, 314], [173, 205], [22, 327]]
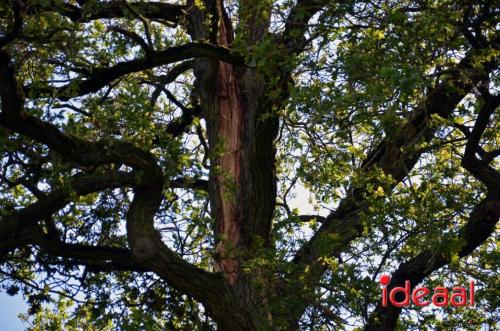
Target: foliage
[[386, 113]]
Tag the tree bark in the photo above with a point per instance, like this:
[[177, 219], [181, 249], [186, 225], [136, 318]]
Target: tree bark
[[242, 185]]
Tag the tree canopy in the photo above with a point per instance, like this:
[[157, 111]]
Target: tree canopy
[[151, 153]]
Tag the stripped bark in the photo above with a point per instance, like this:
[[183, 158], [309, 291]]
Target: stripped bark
[[242, 186], [227, 164]]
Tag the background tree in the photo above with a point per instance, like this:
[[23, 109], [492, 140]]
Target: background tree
[[150, 151]]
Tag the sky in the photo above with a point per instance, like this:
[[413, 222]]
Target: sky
[[10, 307]]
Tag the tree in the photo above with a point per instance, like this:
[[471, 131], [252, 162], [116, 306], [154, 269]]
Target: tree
[[150, 151]]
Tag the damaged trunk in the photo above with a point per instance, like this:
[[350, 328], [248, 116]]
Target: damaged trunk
[[242, 154], [226, 133]]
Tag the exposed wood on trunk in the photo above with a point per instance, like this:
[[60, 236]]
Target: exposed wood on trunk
[[228, 163], [242, 184]]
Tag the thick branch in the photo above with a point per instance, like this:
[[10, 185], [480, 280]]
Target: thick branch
[[148, 250], [479, 169], [480, 226], [103, 76], [112, 9], [17, 25], [190, 183], [84, 153], [180, 125], [396, 156], [16, 229], [296, 23], [95, 258]]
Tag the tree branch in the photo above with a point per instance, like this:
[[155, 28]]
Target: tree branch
[[148, 250], [100, 77], [393, 154], [95, 258], [171, 76], [15, 228], [133, 37], [480, 226], [296, 23], [479, 169], [190, 183], [396, 156], [112, 9], [16, 26]]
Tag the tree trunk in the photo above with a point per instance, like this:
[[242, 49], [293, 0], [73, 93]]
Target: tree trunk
[[242, 154]]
